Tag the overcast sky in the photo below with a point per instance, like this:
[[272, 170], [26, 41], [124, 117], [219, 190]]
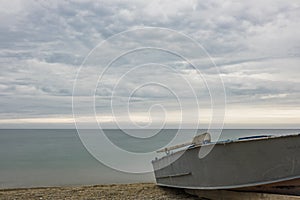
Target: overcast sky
[[255, 45]]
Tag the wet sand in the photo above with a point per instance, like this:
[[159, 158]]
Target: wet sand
[[123, 191]]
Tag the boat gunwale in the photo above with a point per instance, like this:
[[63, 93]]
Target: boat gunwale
[[229, 141]]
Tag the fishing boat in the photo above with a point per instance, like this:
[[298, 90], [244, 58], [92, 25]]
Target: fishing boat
[[264, 163]]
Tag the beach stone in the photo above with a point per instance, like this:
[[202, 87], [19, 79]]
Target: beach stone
[[137, 191]]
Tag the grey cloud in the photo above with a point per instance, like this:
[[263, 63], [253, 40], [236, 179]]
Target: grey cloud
[[42, 44]]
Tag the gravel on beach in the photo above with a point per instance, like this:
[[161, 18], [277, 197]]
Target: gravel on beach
[[116, 191]]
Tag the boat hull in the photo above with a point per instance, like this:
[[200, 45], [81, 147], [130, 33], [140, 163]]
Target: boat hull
[[232, 165]]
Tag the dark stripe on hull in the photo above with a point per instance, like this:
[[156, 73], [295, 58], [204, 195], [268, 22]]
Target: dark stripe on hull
[[291, 187]]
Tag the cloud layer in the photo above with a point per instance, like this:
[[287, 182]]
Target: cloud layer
[[254, 44]]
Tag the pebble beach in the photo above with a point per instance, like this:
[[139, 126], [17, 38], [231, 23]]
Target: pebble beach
[[116, 191]]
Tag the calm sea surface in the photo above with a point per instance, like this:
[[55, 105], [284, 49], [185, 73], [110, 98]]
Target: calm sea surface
[[30, 158]]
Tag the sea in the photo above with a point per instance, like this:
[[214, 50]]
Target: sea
[[58, 157]]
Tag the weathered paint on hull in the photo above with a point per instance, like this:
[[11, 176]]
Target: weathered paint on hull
[[233, 165]]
